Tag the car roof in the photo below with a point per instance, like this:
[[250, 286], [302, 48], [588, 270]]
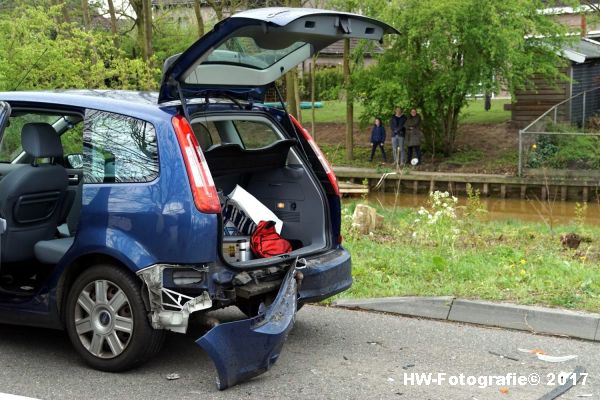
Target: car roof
[[119, 101]]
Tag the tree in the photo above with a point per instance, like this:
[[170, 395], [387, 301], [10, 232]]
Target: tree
[[113, 19], [38, 53], [199, 19], [143, 23], [448, 50]]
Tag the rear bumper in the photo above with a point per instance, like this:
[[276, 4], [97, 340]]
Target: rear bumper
[[247, 348], [326, 275]]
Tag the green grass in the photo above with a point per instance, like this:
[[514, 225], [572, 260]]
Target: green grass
[[336, 155], [332, 112], [475, 113], [504, 261], [335, 112]]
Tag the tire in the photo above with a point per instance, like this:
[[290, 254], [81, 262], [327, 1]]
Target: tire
[[111, 332]]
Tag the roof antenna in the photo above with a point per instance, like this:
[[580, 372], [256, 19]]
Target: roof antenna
[[30, 68]]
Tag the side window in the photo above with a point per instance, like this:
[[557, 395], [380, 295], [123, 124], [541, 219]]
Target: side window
[[71, 138], [117, 148], [255, 134]]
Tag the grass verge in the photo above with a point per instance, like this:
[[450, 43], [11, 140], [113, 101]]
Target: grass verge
[[470, 257], [473, 113]]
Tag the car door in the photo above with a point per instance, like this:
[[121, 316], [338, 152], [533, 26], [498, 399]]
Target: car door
[[4, 114]]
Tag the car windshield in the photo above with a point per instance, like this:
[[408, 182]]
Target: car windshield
[[247, 52]]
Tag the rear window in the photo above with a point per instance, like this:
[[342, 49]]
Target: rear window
[[119, 149], [255, 134], [246, 52]]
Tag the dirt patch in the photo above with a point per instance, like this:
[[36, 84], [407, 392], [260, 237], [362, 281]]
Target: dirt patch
[[480, 148], [330, 133], [491, 139]]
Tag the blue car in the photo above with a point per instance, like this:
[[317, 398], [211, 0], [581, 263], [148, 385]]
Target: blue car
[[118, 222]]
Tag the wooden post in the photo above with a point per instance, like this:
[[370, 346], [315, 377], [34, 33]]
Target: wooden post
[[523, 191], [415, 187], [563, 193], [486, 189], [450, 187], [585, 194], [544, 193], [431, 186], [503, 191]]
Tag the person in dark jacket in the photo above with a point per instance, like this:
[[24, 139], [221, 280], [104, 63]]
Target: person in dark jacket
[[378, 138], [414, 136], [398, 133]]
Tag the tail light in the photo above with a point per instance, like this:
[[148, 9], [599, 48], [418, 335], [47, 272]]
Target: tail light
[[319, 154], [201, 182]]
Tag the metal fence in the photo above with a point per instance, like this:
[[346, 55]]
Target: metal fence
[[567, 136]]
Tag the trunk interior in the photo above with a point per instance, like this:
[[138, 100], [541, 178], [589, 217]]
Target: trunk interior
[[253, 153]]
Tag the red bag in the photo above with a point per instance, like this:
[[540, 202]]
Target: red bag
[[266, 242]]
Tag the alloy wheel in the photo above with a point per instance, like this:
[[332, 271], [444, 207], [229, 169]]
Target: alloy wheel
[[103, 319]]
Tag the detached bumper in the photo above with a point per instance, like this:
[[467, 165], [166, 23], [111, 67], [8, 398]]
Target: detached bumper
[[244, 349], [326, 275]]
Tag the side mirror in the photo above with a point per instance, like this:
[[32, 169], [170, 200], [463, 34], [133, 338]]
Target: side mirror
[[75, 161]]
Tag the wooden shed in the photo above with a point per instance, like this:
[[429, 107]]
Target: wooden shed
[[584, 70]]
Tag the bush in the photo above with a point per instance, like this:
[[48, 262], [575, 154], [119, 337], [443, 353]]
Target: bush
[[565, 152], [329, 83]]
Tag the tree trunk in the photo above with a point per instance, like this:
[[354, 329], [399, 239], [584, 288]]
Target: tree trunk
[[290, 94], [217, 7], [64, 9], [85, 11], [199, 19], [147, 10], [349, 103], [113, 19], [313, 71], [297, 95], [138, 8]]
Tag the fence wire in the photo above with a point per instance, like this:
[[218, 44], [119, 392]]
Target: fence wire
[[567, 136]]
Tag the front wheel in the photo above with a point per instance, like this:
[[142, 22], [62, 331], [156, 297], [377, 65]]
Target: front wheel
[[107, 322]]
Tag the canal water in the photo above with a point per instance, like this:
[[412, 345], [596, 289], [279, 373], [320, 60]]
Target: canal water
[[501, 209]]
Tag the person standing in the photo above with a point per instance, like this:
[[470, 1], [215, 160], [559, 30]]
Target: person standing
[[378, 138], [414, 136], [398, 133]]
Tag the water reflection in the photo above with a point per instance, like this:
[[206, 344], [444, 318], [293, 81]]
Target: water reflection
[[498, 209]]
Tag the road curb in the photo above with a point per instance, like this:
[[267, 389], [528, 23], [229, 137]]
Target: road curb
[[550, 321]]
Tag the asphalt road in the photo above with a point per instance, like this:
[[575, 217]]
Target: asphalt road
[[330, 354]]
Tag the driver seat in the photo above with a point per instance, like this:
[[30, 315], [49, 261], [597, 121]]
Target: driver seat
[[31, 196]]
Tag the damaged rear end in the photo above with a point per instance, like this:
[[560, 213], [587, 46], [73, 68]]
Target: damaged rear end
[[239, 143]]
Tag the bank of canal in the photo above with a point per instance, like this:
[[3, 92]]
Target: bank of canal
[[530, 210]]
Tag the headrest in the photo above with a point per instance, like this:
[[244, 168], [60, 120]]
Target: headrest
[[40, 140]]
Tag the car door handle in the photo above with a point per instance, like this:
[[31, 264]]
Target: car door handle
[[73, 178]]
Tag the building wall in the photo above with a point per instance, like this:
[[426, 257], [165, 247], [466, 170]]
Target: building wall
[[586, 76], [531, 103]]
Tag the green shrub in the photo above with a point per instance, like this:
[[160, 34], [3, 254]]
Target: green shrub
[[329, 83]]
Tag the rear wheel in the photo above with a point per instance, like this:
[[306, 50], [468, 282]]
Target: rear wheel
[[107, 321]]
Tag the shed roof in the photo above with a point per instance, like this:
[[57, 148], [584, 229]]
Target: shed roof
[[584, 50]]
